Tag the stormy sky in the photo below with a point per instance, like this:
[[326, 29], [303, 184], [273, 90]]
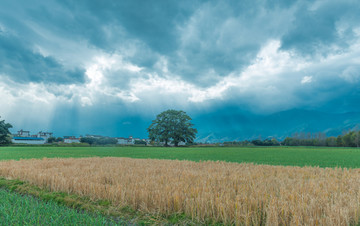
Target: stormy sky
[[108, 67]]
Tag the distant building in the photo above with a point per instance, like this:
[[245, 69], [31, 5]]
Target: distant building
[[148, 141], [131, 140], [28, 140], [45, 135], [125, 141], [161, 143], [181, 143], [22, 133], [93, 136], [71, 139], [24, 137]]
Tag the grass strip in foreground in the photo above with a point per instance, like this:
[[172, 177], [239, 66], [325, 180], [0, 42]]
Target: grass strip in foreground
[[16, 209], [228, 193], [40, 201]]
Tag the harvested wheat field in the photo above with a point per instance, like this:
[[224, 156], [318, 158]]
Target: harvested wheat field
[[230, 193]]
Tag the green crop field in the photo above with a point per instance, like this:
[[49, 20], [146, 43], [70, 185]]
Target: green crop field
[[297, 156], [16, 209]]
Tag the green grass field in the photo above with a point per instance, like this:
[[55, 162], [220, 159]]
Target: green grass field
[[296, 156], [16, 209]]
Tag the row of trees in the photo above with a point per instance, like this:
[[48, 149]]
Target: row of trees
[[98, 141], [257, 142], [54, 140], [106, 141], [348, 139]]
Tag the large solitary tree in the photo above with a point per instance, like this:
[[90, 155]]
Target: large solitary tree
[[172, 126], [5, 133]]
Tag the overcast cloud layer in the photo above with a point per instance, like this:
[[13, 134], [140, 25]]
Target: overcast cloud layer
[[101, 66]]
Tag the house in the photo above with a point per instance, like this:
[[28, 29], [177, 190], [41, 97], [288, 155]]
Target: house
[[45, 135], [24, 137], [170, 143], [125, 141], [148, 141], [28, 140], [94, 136], [22, 133], [131, 140], [181, 143], [71, 139]]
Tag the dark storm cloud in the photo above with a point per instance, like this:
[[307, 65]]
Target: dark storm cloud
[[203, 41], [20, 57], [320, 26], [148, 28], [24, 65], [113, 25], [153, 22], [225, 37]]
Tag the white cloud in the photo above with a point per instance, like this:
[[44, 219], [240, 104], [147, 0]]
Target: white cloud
[[86, 101], [271, 81], [103, 74], [2, 28], [351, 74], [306, 79], [29, 105]]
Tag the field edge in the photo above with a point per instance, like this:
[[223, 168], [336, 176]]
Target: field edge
[[103, 207]]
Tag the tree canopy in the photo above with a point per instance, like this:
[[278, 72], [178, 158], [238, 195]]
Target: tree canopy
[[172, 126], [5, 137], [98, 141]]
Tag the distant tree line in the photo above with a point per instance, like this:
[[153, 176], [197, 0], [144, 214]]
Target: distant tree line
[[98, 141], [348, 139], [140, 142], [257, 142], [54, 139]]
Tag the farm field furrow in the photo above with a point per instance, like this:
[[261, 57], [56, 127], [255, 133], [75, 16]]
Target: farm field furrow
[[230, 193], [16, 209], [297, 156]]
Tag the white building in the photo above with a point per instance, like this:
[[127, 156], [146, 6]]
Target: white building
[[22, 133], [71, 139], [24, 137], [93, 136], [28, 140], [181, 143], [125, 141], [45, 135]]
